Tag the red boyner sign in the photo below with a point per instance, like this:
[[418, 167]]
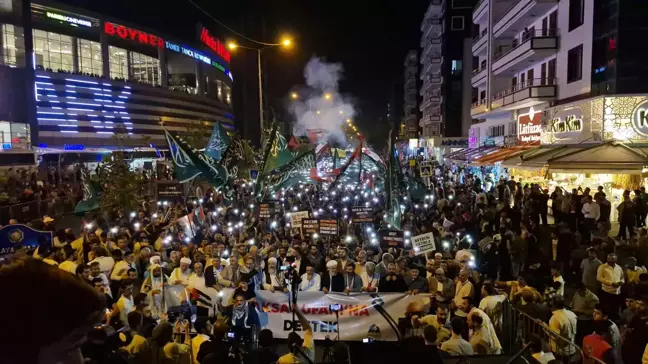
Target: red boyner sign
[[133, 34]]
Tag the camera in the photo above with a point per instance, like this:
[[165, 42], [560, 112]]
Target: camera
[[336, 307], [367, 340], [231, 335]]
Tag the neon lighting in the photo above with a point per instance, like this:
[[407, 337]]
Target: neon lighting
[[70, 91], [106, 84], [128, 87], [83, 103], [42, 76], [54, 101], [82, 81], [50, 119], [70, 97], [68, 125], [104, 132], [133, 35], [47, 112], [98, 127], [95, 121], [69, 19], [72, 108], [214, 44], [69, 131], [123, 97], [44, 83], [57, 108]]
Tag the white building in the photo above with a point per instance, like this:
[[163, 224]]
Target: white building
[[431, 61], [528, 55], [410, 97]]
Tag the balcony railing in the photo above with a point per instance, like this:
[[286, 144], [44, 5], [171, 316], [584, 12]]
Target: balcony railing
[[478, 103], [481, 68], [480, 35], [526, 84], [526, 36]]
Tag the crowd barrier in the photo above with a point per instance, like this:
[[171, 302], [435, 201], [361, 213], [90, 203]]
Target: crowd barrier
[[521, 328]]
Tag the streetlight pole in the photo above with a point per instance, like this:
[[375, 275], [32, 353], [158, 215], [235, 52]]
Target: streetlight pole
[[260, 92]]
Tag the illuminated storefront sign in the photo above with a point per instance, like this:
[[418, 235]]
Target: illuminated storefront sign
[[567, 121], [133, 35], [69, 19], [473, 137], [530, 126], [197, 55], [214, 44], [640, 119]]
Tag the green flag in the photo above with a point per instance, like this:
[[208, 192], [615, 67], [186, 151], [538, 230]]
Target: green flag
[[90, 199], [218, 142], [184, 167], [278, 154], [296, 172]]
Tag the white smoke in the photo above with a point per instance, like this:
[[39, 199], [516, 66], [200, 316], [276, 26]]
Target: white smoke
[[320, 106]]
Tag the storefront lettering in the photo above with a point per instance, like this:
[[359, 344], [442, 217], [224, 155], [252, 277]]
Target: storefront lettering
[[214, 44], [530, 126], [197, 55], [572, 123], [69, 19], [133, 35]]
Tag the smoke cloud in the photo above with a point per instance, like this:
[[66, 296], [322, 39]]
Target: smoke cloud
[[320, 106]]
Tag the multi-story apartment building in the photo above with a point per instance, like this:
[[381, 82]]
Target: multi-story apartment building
[[445, 89], [528, 55], [411, 112]]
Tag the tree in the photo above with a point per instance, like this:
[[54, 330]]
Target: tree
[[198, 133], [121, 186]]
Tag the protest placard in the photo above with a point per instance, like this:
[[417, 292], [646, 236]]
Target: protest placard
[[310, 226], [297, 217], [423, 243], [328, 227], [361, 214]]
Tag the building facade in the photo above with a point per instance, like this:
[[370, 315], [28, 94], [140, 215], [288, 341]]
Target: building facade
[[446, 30], [528, 55], [411, 112], [73, 79]]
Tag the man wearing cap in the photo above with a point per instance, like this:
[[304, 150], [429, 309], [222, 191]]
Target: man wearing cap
[[443, 286], [332, 281], [181, 274]]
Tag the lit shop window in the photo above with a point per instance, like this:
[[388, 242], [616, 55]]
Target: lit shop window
[[145, 69], [53, 51], [13, 46], [118, 64], [227, 92], [90, 57], [14, 135]]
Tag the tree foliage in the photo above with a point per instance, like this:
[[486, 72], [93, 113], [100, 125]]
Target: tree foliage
[[197, 134], [121, 186]]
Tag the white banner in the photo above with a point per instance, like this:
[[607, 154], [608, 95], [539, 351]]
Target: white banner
[[358, 312], [423, 243], [296, 218]]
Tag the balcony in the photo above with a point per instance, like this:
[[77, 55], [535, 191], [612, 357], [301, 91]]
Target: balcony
[[534, 47], [479, 75], [434, 78], [434, 10], [479, 43], [430, 24], [519, 15], [478, 107], [432, 64], [529, 93], [430, 119], [480, 10], [433, 43], [430, 87]]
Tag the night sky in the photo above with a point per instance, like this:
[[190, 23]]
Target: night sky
[[370, 39]]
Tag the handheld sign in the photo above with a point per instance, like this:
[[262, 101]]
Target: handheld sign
[[392, 239], [297, 217], [310, 226], [361, 214], [22, 237], [266, 209], [423, 243], [170, 191], [328, 227]]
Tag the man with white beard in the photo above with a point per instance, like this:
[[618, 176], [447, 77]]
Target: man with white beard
[[181, 274], [197, 278], [273, 278]]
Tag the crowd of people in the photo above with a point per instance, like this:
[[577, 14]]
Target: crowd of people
[[494, 248]]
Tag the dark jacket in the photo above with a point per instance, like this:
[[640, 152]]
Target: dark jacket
[[337, 284], [397, 285], [211, 276]]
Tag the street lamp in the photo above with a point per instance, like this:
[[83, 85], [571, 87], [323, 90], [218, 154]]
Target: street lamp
[[285, 43], [327, 96], [294, 95]]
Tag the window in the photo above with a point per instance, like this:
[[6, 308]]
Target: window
[[90, 57], [575, 64], [16, 134], [457, 23], [118, 65], [457, 66], [13, 46], [512, 128], [145, 69], [53, 51], [576, 13], [496, 131]]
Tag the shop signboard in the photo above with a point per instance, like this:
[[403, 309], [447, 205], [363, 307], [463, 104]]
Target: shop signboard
[[361, 214], [425, 169], [134, 35], [328, 227], [530, 126], [214, 44], [567, 122], [473, 137], [640, 119], [510, 140], [454, 142], [310, 226], [297, 217], [18, 237]]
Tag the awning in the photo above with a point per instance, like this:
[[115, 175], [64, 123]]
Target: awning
[[457, 153], [611, 157], [536, 158], [470, 153], [503, 154]]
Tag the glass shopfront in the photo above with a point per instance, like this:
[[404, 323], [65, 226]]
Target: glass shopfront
[[90, 57], [145, 69], [53, 51]]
